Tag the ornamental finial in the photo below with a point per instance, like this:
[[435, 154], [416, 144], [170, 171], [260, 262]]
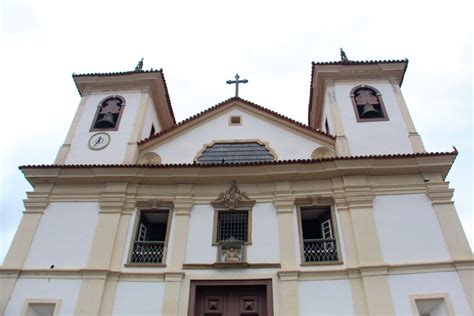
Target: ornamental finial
[[343, 56], [139, 66]]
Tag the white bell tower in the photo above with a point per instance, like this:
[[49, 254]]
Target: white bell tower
[[116, 111], [362, 105]]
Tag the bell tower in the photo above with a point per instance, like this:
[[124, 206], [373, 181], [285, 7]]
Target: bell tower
[[115, 112], [360, 102]]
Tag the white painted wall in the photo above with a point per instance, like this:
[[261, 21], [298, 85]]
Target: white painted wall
[[332, 297], [150, 118], [287, 144], [383, 137], [265, 242], [115, 151], [65, 290], [409, 229], [138, 298], [64, 236], [199, 247], [401, 286]]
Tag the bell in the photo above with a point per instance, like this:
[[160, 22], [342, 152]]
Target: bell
[[368, 111], [107, 121]]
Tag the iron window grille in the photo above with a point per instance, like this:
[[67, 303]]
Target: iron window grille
[[232, 226]]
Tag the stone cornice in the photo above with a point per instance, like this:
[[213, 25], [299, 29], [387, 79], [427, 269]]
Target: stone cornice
[[292, 171]]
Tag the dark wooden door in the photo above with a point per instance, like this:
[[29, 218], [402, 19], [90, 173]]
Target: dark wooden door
[[242, 300]]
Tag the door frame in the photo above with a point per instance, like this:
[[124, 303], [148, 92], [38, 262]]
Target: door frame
[[195, 283]]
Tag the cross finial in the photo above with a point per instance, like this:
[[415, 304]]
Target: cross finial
[[343, 56], [139, 66], [237, 81]]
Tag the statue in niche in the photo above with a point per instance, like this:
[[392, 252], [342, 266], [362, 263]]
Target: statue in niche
[[232, 255]]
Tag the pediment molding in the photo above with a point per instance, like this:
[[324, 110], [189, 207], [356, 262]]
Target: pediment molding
[[233, 198]]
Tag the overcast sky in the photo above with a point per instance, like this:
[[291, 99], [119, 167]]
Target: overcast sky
[[201, 44]]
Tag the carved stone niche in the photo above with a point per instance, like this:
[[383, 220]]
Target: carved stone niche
[[233, 199], [231, 252]]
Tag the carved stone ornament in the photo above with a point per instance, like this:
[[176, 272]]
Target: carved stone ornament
[[153, 204], [233, 199]]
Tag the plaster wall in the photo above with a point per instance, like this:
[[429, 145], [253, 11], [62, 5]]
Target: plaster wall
[[409, 229], [150, 118], [115, 152], [402, 286], [264, 247], [378, 137], [287, 144], [138, 298], [59, 289], [331, 297], [64, 236]]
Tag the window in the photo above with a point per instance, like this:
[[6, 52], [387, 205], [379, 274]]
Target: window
[[317, 235], [152, 130], [368, 104], [235, 120], [235, 153], [232, 226], [431, 304], [41, 307], [108, 114], [326, 125], [150, 243]]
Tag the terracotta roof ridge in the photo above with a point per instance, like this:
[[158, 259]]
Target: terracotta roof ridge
[[116, 73], [361, 62], [225, 102], [261, 163]]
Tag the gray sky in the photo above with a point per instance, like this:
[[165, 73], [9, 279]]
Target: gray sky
[[201, 44]]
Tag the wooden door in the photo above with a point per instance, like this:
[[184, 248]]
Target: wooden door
[[242, 300]]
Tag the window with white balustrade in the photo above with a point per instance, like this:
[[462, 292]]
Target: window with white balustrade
[[317, 235], [151, 235]]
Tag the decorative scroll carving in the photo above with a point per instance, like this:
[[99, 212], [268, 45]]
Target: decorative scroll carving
[[233, 199]]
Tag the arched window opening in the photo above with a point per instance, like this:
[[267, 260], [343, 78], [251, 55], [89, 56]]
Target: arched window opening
[[368, 104], [235, 152], [108, 114]]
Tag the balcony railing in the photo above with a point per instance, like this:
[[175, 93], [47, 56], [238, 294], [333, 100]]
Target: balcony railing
[[319, 250], [148, 252]]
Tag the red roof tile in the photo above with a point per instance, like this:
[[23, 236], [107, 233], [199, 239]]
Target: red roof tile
[[264, 163], [224, 103]]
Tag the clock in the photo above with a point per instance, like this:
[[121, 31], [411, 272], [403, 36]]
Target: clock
[[99, 141]]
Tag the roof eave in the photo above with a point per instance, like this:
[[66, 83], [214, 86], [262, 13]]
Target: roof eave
[[292, 170]]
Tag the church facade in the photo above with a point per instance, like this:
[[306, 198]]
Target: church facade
[[239, 210]]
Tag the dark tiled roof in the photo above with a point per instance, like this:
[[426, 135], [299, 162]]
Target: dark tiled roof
[[224, 103], [262, 163], [119, 73], [349, 63], [361, 62], [123, 73]]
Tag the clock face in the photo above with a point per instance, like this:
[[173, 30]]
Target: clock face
[[99, 141]]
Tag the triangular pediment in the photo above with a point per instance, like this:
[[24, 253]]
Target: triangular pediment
[[236, 121]]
